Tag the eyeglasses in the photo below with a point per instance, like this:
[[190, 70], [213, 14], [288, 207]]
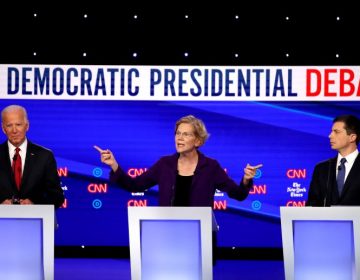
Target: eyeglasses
[[183, 134]]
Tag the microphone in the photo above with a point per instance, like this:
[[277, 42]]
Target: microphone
[[339, 167], [327, 183], [15, 157], [15, 200]]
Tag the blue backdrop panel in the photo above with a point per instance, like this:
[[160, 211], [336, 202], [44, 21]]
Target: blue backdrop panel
[[288, 138], [324, 250], [21, 246], [170, 249]]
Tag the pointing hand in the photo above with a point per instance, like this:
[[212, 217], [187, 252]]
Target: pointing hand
[[107, 157], [250, 172]]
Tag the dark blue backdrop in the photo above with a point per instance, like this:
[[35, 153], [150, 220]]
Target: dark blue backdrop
[[282, 136]]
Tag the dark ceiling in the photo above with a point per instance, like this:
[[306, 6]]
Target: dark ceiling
[[222, 33]]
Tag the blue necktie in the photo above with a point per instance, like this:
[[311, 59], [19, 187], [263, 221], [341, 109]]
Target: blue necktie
[[341, 175]]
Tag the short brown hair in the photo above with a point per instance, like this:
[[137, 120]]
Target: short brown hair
[[351, 125]]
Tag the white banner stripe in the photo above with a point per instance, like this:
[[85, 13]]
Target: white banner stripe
[[180, 83]]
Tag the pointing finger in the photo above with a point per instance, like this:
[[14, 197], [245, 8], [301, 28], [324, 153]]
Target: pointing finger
[[254, 167], [99, 149]]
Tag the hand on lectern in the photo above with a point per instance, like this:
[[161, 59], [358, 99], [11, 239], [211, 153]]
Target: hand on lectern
[[26, 201], [7, 202], [249, 172], [107, 157]]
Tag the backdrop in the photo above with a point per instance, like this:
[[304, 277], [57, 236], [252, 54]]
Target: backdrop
[[288, 138]]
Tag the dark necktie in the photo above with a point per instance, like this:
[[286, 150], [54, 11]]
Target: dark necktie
[[16, 166], [341, 175]]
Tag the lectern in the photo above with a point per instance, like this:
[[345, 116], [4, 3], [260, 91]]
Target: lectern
[[171, 243], [321, 242], [27, 242]]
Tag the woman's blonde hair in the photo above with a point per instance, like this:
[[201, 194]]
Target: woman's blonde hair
[[198, 125]]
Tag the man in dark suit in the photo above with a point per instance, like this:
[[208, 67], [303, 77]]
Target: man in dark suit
[[28, 172], [325, 187]]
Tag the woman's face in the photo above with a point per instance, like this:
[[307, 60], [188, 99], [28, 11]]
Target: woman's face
[[185, 139]]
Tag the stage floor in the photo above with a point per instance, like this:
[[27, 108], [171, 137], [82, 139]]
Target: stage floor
[[119, 269]]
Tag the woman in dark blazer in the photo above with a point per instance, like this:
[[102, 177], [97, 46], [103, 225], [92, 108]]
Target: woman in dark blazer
[[186, 178]]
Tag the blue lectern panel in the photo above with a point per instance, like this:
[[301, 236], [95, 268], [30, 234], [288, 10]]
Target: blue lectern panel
[[159, 241], [21, 244], [324, 250]]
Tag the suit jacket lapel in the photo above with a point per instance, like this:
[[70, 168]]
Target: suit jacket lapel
[[6, 163], [355, 169], [29, 165], [332, 179]]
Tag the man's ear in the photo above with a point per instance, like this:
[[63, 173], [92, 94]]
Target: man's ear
[[353, 137]]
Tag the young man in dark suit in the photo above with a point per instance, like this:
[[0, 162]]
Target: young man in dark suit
[[336, 181], [28, 172]]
